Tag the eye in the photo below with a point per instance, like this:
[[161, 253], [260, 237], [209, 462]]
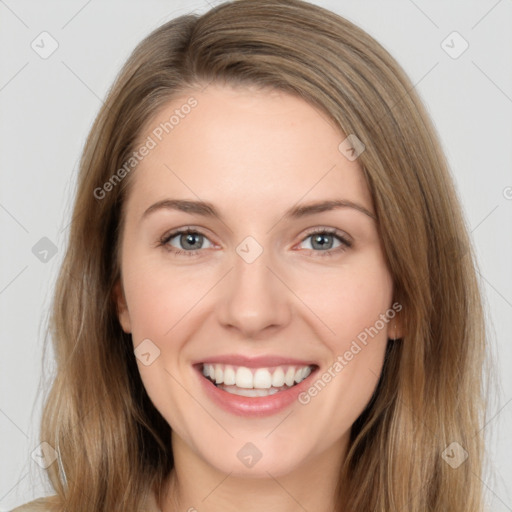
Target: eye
[[189, 242], [188, 239], [323, 242]]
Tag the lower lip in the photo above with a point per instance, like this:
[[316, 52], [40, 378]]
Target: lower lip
[[253, 406]]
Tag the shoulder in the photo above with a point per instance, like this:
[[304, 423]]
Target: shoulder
[[39, 505], [49, 504]]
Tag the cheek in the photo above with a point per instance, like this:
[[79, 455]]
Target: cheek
[[349, 300], [158, 298], [358, 300]]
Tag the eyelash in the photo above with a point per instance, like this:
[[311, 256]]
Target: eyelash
[[345, 243]]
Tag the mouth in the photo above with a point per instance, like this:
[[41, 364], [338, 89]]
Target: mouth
[[254, 386], [255, 382]]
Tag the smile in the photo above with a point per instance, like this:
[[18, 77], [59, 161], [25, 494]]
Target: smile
[[251, 387], [255, 382]]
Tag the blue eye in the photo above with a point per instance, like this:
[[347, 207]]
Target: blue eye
[[190, 242], [189, 239], [323, 239]]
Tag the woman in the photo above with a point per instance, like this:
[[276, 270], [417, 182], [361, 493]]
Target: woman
[[269, 300]]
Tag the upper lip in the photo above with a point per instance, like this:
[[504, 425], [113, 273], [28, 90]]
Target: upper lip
[[255, 362]]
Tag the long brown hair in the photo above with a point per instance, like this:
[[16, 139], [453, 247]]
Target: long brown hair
[[113, 445]]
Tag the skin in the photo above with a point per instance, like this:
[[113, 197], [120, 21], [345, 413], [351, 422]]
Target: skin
[[253, 154]]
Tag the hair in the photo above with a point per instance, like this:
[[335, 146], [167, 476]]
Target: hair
[[113, 445]]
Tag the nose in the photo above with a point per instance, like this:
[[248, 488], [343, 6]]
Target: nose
[[254, 298]]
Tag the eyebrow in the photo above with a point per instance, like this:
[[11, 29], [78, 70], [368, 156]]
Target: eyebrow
[[208, 210]]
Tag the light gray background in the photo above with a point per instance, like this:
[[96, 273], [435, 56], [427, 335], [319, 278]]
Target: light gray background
[[48, 105]]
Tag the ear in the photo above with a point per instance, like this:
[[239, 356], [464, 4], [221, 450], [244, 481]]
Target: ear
[[395, 325], [122, 308]]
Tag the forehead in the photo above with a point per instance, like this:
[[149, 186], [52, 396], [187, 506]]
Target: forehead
[[222, 144]]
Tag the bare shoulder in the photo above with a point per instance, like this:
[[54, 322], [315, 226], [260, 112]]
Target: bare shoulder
[[50, 504], [39, 505]]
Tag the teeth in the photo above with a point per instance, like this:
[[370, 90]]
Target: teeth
[[229, 376], [278, 378], [262, 379], [289, 378], [249, 392], [243, 377], [219, 374], [270, 379]]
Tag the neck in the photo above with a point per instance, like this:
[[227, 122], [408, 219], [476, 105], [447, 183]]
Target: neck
[[194, 485]]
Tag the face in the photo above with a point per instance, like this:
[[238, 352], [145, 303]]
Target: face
[[259, 321]]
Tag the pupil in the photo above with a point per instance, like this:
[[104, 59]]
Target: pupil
[[189, 238], [321, 240]]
